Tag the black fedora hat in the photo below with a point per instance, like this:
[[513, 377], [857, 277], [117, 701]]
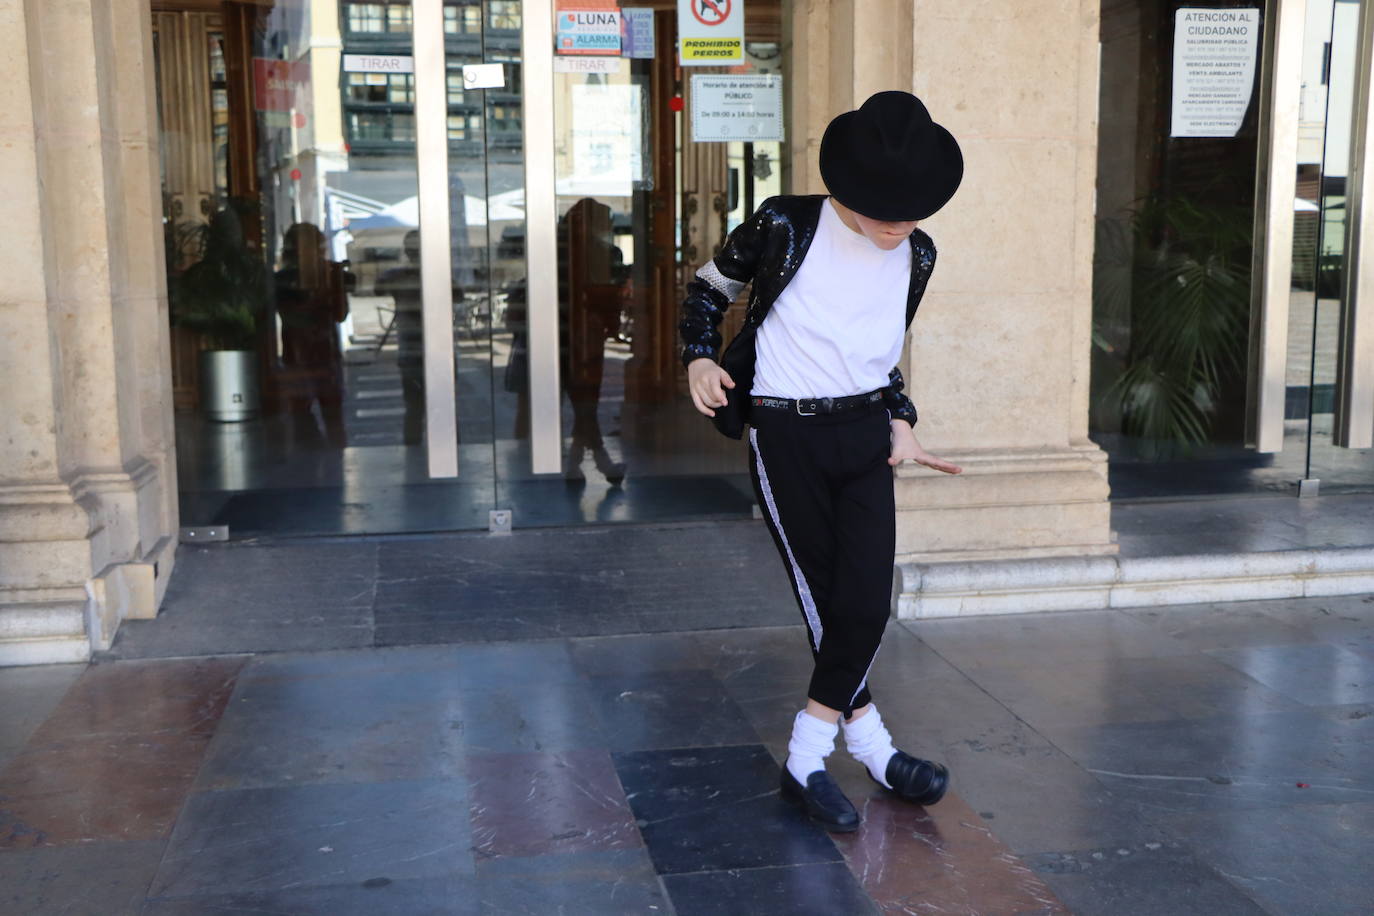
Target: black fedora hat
[[889, 161]]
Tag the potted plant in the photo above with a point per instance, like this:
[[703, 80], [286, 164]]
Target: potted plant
[[1171, 319], [222, 296]]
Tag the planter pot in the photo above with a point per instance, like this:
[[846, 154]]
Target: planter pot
[[229, 385]]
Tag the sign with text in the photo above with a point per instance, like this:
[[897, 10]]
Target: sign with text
[[276, 82], [586, 64], [728, 107], [607, 140], [588, 27], [637, 32], [378, 63], [1214, 70], [710, 32]]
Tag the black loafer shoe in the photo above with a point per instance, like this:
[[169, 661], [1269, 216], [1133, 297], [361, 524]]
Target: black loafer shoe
[[921, 782], [822, 799]]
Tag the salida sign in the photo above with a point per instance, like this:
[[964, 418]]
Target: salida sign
[[710, 32], [276, 82], [589, 27]]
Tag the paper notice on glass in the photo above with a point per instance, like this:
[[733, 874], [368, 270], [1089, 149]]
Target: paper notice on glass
[[607, 141], [728, 107], [710, 32], [637, 32], [1214, 70]]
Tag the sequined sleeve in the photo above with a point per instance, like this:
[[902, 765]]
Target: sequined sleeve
[[717, 284], [898, 404]]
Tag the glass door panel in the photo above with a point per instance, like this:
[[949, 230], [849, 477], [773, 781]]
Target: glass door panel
[[1331, 51], [639, 207], [291, 176]]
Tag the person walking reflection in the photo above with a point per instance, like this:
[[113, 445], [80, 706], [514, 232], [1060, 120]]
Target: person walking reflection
[[312, 299], [592, 290], [402, 284]]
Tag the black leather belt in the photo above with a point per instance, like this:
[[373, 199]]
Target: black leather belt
[[810, 407]]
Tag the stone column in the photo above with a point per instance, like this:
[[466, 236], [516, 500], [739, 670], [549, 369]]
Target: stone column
[[998, 357], [87, 474]]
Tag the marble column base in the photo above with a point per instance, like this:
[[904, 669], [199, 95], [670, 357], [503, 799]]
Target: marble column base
[[1008, 504], [1080, 583]]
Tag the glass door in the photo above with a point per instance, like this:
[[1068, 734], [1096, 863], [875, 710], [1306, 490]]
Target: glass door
[[636, 201], [1324, 299], [332, 302]]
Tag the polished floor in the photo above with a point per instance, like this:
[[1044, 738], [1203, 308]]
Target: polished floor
[[593, 722]]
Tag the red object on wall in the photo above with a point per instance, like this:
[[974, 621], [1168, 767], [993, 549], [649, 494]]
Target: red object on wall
[[675, 103], [276, 82], [295, 174]]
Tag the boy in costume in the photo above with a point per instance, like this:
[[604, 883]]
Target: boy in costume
[[836, 282]]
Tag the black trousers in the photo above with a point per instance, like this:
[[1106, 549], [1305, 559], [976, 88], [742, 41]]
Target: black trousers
[[826, 492]]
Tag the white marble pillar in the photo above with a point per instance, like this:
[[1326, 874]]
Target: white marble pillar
[[998, 358], [87, 485]]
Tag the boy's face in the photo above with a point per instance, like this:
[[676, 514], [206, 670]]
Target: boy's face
[[886, 235], [883, 233]]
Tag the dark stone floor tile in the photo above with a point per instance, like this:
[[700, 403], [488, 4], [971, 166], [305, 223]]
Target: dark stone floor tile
[[291, 596], [942, 859], [1158, 879], [341, 717], [546, 663], [1033, 796], [257, 840], [404, 628], [95, 879], [973, 642], [287, 631], [528, 716], [1127, 690], [30, 694], [1313, 674], [822, 889], [444, 895], [717, 808], [667, 709], [535, 804], [1295, 860], [181, 696], [117, 756], [570, 884], [1227, 625], [1228, 761], [773, 661], [1346, 621], [637, 654]]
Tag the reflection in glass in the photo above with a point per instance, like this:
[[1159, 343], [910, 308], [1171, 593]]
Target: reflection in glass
[[1171, 284]]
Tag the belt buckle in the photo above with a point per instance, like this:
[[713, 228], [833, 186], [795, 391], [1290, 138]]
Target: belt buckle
[[803, 413]]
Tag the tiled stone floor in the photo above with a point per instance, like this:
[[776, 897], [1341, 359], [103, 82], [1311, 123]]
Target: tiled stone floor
[[1212, 759]]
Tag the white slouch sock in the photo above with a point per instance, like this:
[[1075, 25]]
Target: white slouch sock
[[870, 742], [812, 741]]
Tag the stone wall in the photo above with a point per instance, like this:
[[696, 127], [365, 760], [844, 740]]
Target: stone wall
[[87, 473]]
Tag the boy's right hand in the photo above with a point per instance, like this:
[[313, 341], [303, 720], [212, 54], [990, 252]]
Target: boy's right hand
[[707, 383]]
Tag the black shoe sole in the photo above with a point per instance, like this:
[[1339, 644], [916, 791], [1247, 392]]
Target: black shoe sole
[[799, 800]]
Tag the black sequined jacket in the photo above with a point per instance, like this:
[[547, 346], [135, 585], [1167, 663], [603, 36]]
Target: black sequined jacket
[[767, 249]]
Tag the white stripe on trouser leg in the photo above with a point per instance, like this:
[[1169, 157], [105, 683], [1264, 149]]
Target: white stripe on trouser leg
[[864, 682], [813, 619]]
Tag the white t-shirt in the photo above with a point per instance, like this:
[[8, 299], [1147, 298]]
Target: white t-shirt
[[836, 329]]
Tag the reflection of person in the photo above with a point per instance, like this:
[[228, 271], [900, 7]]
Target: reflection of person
[[836, 281], [593, 291], [312, 298], [402, 284]]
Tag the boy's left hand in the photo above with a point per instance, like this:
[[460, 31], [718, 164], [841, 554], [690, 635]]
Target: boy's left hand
[[906, 448]]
